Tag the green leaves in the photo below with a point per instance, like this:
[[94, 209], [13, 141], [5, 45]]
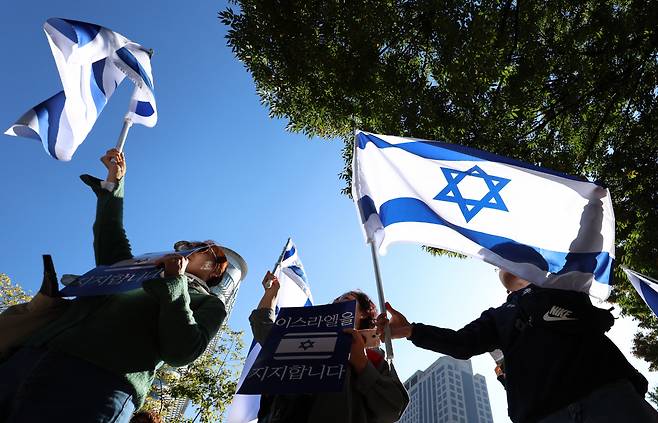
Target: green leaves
[[11, 293], [567, 85], [209, 383]]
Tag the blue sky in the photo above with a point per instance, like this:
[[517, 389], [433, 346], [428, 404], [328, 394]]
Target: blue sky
[[215, 166]]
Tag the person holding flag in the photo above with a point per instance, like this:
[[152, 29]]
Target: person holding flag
[[294, 291], [95, 363], [559, 365], [553, 233], [371, 393]]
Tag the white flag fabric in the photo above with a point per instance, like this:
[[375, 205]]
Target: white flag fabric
[[92, 61], [646, 287], [549, 228], [294, 291]]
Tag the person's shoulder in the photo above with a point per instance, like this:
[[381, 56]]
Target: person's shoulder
[[205, 299]]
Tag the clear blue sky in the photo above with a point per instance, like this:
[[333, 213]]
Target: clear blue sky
[[215, 166]]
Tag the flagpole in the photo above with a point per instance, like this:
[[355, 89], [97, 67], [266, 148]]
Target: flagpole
[[382, 301], [278, 261], [127, 123]]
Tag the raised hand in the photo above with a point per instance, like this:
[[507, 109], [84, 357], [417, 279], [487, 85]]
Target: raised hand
[[400, 326], [115, 163], [173, 264], [358, 357], [271, 282], [271, 285]]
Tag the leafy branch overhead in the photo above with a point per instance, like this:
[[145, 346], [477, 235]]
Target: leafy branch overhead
[[571, 86]]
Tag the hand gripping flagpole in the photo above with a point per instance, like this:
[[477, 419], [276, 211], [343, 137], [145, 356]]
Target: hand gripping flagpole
[[382, 301], [278, 262]]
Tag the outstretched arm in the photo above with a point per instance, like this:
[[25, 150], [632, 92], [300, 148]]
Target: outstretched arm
[[475, 338], [110, 242]]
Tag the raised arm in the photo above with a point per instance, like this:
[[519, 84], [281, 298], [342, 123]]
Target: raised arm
[[262, 318], [110, 242], [183, 333]]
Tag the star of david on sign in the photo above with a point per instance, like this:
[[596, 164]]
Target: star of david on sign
[[306, 344], [471, 207]]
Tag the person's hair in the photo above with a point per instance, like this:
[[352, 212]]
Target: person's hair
[[188, 245], [146, 416], [365, 304]]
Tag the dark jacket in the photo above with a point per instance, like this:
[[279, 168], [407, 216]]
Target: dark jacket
[[132, 333], [554, 346], [374, 396]]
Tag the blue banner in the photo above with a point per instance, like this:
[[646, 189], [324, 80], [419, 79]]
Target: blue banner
[[122, 276], [306, 351]]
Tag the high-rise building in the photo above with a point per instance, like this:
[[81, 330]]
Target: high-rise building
[[447, 392]]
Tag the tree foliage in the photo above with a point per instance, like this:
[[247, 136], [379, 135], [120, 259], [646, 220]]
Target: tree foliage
[[571, 86], [11, 293], [209, 383]]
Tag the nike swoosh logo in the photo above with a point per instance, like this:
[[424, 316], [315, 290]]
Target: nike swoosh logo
[[550, 318]]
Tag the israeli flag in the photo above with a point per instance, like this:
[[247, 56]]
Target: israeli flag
[[92, 61], [294, 292], [306, 345], [549, 228], [646, 287]]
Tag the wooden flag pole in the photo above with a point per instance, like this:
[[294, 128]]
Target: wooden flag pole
[[382, 301]]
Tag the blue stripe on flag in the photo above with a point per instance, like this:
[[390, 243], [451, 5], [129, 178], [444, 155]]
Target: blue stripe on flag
[[97, 89], [76, 31], [650, 296], [48, 114], [298, 271], [144, 108], [289, 253], [435, 150], [253, 344], [413, 210], [97, 69], [130, 60]]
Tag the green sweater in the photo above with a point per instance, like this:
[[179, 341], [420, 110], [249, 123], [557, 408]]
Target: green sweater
[[132, 333]]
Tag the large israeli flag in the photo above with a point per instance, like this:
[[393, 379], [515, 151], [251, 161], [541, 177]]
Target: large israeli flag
[[294, 291], [92, 61], [549, 228], [646, 287]]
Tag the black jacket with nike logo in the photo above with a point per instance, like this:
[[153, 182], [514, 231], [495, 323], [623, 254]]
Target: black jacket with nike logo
[[554, 344]]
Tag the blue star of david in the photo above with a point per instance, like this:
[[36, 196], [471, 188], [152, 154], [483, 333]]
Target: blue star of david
[[306, 344], [471, 207]]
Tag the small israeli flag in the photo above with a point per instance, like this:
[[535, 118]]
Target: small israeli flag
[[646, 287], [294, 291], [549, 228], [92, 61], [306, 345]]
